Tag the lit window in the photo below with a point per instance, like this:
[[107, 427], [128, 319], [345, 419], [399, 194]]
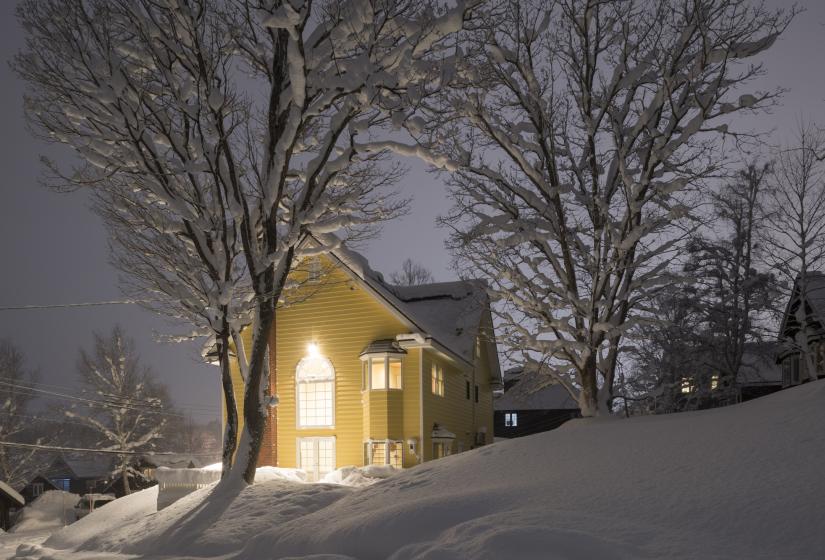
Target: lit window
[[62, 483], [378, 378], [316, 456], [714, 382], [440, 449], [385, 453], [394, 373], [438, 380], [315, 379], [687, 385], [383, 372], [511, 419]]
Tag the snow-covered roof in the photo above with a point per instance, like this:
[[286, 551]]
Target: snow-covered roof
[[816, 299], [440, 432], [176, 460], [759, 366], [448, 312], [383, 346], [533, 392], [12, 493], [82, 467]]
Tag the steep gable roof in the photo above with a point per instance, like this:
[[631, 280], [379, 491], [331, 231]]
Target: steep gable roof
[[815, 299], [449, 313]]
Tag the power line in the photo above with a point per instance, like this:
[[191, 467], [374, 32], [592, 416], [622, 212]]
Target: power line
[[66, 305], [104, 451], [32, 391], [35, 385]]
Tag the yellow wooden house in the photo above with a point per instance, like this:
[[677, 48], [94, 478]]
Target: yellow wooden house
[[370, 373]]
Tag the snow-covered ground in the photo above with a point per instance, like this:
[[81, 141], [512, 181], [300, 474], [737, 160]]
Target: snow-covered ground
[[738, 482]]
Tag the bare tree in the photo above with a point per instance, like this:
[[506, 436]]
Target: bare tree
[[794, 231], [127, 406], [578, 129], [733, 297], [18, 423], [411, 274], [252, 116]]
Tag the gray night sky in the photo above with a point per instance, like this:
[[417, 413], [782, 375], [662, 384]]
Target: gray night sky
[[54, 250]]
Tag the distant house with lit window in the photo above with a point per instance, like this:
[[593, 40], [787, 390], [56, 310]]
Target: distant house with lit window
[[370, 373], [529, 405], [75, 475]]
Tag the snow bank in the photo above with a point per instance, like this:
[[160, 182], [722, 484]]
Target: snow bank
[[122, 512], [738, 482], [52, 509]]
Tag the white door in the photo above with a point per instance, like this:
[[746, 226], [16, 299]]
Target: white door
[[316, 455]]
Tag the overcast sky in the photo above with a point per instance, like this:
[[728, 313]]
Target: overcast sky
[[53, 250]]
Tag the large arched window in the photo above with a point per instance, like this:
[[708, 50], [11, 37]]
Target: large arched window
[[315, 381]]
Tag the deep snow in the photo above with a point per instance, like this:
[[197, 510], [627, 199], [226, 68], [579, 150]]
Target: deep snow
[[739, 482]]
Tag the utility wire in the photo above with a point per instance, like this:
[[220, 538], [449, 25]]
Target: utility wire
[[34, 385], [104, 451], [84, 304]]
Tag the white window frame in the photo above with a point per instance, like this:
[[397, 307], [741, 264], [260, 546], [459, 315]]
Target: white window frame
[[315, 468], [299, 382], [366, 370], [38, 488], [314, 270], [368, 447], [511, 419], [437, 379]]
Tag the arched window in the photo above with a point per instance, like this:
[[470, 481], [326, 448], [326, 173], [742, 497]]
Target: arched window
[[315, 381]]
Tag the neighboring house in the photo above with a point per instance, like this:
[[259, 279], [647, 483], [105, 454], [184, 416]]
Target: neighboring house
[[789, 357], [370, 373], [758, 375], [528, 406], [79, 475], [10, 501], [36, 487]]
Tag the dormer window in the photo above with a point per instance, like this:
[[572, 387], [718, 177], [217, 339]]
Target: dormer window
[[382, 365]]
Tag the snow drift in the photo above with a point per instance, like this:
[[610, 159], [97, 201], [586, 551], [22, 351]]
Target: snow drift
[[52, 509], [738, 482]]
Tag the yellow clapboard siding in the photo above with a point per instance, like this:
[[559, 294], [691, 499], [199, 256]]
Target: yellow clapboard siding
[[341, 317]]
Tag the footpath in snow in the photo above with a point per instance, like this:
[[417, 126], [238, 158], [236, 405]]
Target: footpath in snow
[[738, 482]]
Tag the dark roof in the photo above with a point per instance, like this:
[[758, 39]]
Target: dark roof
[[383, 346], [448, 312], [533, 391]]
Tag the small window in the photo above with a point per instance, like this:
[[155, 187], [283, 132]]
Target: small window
[[382, 372], [314, 272], [786, 372], [62, 483], [385, 453], [476, 393], [37, 489], [511, 419], [440, 449], [794, 370], [686, 386], [467, 389], [438, 380], [378, 376], [394, 373], [714, 381]]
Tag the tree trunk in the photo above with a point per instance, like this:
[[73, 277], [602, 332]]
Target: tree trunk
[[230, 439], [254, 413], [589, 396], [124, 473]]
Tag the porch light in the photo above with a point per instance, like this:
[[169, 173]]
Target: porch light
[[312, 350]]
